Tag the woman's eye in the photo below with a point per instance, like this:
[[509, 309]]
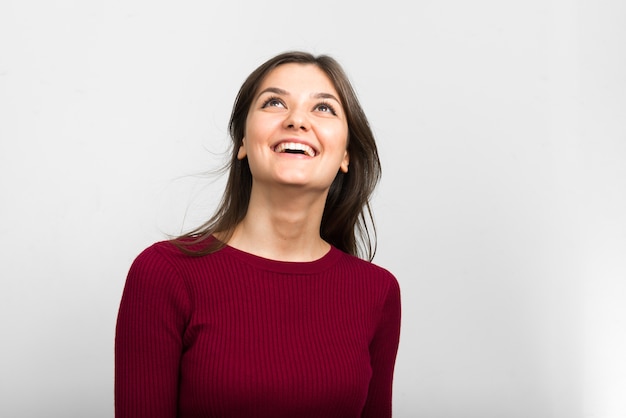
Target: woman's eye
[[272, 102], [326, 108]]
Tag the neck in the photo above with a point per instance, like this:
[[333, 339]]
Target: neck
[[282, 225]]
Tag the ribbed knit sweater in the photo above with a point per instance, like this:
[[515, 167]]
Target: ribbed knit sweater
[[234, 335]]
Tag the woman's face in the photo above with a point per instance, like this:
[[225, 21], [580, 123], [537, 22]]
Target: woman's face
[[296, 129]]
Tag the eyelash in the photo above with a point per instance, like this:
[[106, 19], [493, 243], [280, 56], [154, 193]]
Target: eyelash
[[276, 99], [329, 106], [271, 99]]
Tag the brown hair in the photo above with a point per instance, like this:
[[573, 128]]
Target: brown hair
[[347, 212]]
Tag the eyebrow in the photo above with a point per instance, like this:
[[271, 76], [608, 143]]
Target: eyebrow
[[326, 96], [280, 91]]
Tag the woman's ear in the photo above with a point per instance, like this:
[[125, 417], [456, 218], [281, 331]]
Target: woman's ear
[[241, 154], [345, 162]]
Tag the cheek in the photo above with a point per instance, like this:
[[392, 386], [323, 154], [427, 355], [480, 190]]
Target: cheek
[[335, 136], [259, 128], [341, 146]]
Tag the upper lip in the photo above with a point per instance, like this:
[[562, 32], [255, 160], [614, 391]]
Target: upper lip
[[296, 141]]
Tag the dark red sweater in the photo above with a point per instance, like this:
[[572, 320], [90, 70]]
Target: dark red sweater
[[234, 335]]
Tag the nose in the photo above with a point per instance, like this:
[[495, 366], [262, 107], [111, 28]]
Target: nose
[[298, 120]]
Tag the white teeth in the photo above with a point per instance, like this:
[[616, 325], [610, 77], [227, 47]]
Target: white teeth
[[295, 146]]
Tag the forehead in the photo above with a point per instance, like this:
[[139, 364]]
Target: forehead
[[299, 77]]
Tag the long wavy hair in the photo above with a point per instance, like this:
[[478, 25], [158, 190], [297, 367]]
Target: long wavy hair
[[347, 221]]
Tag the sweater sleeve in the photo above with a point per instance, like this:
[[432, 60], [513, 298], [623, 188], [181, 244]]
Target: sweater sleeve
[[148, 343], [383, 350]]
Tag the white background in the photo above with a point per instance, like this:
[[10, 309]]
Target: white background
[[502, 210]]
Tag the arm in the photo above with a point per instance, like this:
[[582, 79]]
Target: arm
[[383, 350], [148, 341]]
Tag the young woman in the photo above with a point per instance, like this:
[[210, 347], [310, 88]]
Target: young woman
[[273, 307]]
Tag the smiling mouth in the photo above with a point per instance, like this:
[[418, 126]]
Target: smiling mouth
[[295, 148]]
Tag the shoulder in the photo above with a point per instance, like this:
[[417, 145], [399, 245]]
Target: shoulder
[[157, 265], [166, 259], [159, 253], [366, 266], [170, 253], [156, 283], [367, 271]]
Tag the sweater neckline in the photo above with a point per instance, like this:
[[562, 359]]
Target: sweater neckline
[[291, 267]]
